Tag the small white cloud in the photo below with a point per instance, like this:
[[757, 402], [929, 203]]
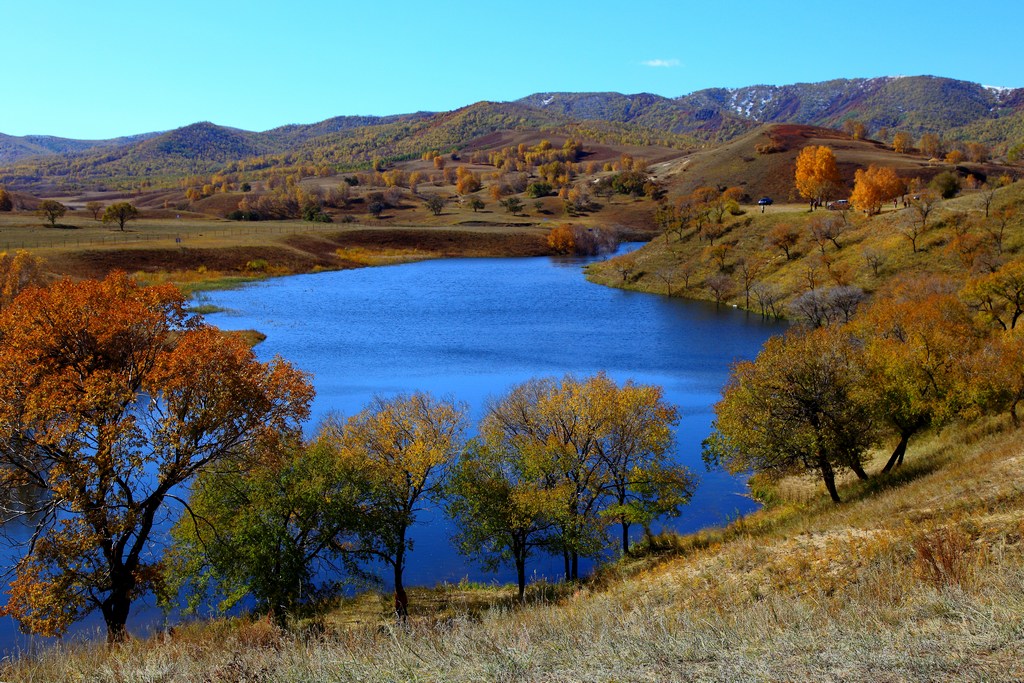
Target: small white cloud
[[661, 62]]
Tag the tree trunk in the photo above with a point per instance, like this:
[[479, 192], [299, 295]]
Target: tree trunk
[[568, 564], [897, 455], [575, 565], [829, 476], [858, 470], [115, 613], [521, 577], [401, 599], [625, 538]]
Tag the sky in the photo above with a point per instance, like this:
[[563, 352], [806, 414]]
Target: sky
[[102, 70]]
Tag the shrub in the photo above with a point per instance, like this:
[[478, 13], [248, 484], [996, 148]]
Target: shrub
[[239, 215], [539, 189], [946, 184]]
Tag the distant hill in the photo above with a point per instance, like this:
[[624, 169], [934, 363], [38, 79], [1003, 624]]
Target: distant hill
[[915, 103], [341, 144], [957, 110], [15, 148], [650, 111]]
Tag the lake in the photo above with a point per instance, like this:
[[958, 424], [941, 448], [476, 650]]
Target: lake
[[472, 328]]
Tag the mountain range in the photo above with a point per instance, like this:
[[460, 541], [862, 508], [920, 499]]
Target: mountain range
[[957, 110]]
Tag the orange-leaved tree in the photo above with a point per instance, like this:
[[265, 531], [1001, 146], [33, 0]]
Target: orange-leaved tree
[[111, 399], [918, 339], [875, 186], [817, 176]]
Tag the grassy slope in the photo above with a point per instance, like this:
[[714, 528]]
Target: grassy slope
[[662, 265], [918, 576]]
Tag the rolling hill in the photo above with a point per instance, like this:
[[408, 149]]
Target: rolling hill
[[956, 110]]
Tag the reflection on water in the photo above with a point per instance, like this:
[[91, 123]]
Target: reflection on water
[[471, 328]]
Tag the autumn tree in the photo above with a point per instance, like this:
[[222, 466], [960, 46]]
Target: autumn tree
[[997, 375], [51, 210], [874, 187], [635, 446], [406, 447], [95, 209], [827, 229], [6, 203], [501, 506], [998, 296], [783, 236], [726, 201], [601, 450], [916, 224], [930, 145], [997, 225], [977, 152], [827, 306], [901, 142], [720, 286], [794, 409], [875, 258], [272, 524], [120, 213], [475, 203], [749, 270], [817, 176], [17, 273], [916, 337], [435, 203], [562, 239], [112, 399], [986, 195]]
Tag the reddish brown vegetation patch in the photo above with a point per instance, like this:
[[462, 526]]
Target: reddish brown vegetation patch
[[97, 263]]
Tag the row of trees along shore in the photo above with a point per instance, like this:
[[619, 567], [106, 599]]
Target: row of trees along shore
[[925, 352], [118, 409]]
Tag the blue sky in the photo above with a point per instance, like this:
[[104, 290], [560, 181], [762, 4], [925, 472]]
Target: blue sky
[[99, 70]]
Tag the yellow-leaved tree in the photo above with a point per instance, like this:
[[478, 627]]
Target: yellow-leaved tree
[[405, 447], [817, 176]]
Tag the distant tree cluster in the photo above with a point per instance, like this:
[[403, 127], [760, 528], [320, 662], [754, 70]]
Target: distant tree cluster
[[577, 240]]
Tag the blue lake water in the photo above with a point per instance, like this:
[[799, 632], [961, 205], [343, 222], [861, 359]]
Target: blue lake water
[[472, 328]]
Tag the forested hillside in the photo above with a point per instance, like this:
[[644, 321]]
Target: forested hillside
[[930, 114]]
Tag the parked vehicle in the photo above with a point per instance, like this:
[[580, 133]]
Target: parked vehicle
[[839, 205], [765, 201]]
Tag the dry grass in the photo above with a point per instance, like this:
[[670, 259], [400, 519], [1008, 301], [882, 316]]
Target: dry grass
[[919, 577]]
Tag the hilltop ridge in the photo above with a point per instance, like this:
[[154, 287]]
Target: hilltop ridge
[[954, 110]]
